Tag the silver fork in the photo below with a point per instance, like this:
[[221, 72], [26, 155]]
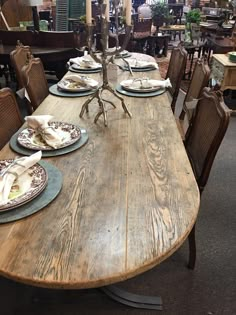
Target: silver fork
[[14, 162]]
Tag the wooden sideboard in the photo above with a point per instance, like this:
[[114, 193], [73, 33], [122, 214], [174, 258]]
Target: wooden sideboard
[[224, 72]]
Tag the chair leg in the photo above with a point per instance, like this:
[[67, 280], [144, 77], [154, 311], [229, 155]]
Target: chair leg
[[174, 99], [182, 114], [192, 249]]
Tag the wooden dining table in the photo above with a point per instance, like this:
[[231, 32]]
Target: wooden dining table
[[219, 45], [129, 197]]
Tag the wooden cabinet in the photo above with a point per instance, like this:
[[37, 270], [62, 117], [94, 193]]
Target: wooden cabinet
[[15, 12], [224, 72]]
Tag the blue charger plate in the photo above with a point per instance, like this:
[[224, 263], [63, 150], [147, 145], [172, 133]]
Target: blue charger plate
[[51, 191]]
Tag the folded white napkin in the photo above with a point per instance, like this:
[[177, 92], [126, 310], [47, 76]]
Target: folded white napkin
[[164, 83], [139, 63], [84, 62], [7, 180], [48, 133], [84, 80], [143, 83]]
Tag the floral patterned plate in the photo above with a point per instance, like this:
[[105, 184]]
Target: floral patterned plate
[[85, 84], [27, 187], [29, 138]]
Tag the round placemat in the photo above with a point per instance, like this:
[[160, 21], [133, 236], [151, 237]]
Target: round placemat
[[85, 71], [48, 195], [78, 144], [125, 68], [138, 94], [54, 90]]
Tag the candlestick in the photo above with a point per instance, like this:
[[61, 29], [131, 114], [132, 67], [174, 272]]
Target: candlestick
[[105, 58], [107, 12], [128, 12], [88, 12]]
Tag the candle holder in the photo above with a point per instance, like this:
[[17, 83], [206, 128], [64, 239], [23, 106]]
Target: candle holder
[[104, 58]]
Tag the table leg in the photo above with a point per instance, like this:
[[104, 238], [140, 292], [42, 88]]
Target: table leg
[[133, 300], [166, 41]]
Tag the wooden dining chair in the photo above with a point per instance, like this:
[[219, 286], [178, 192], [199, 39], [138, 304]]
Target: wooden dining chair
[[140, 35], [200, 79], [35, 81], [18, 60], [203, 140], [175, 72], [10, 117]]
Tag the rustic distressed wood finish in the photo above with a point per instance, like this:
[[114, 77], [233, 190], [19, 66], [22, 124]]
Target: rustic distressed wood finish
[[129, 199]]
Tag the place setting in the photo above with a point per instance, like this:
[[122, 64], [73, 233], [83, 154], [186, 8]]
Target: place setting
[[123, 54], [27, 185], [53, 138], [74, 85], [84, 65], [139, 65], [143, 87]]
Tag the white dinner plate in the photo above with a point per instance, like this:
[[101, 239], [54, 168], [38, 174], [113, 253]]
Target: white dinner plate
[[147, 66], [78, 67], [140, 85], [26, 187], [86, 64]]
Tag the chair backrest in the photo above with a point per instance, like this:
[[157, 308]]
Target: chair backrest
[[18, 60], [142, 28], [200, 78], [175, 71], [57, 39], [206, 133], [35, 81], [10, 117]]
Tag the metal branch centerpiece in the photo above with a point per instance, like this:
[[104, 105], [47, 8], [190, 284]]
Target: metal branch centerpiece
[[104, 58]]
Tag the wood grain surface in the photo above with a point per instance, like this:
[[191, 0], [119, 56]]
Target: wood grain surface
[[129, 198]]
